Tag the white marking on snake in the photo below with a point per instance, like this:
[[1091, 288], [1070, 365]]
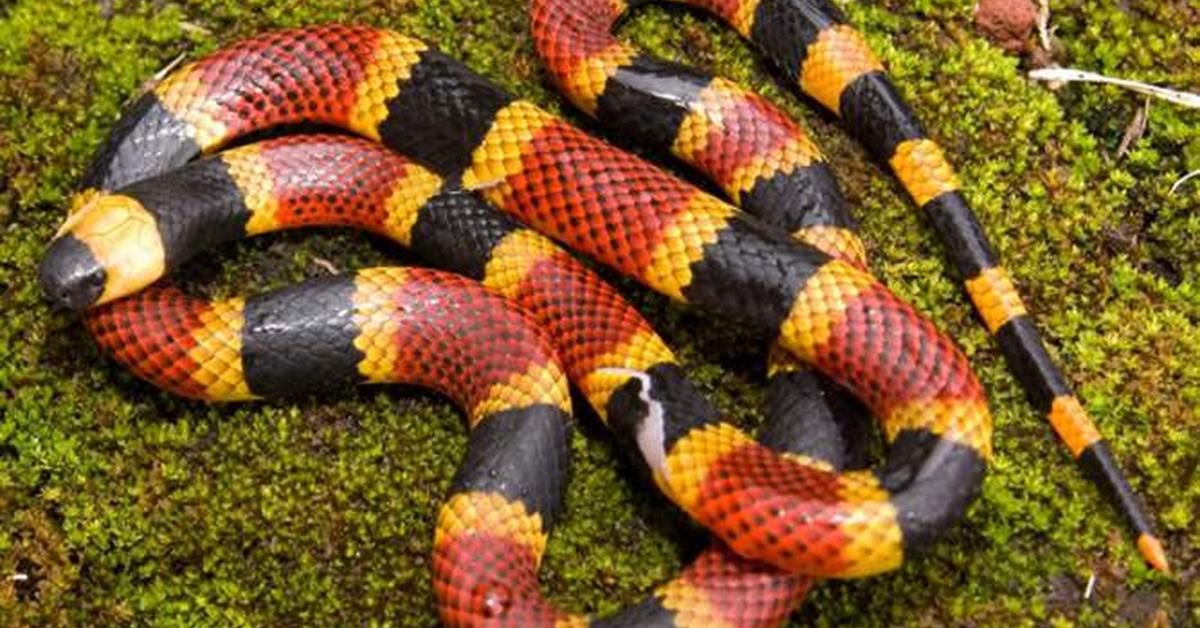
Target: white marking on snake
[[651, 435]]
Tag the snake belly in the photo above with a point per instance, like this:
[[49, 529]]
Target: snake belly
[[794, 514]]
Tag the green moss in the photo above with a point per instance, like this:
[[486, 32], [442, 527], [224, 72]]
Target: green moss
[[122, 504]]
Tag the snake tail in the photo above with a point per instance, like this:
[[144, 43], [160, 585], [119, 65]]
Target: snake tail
[[768, 166]]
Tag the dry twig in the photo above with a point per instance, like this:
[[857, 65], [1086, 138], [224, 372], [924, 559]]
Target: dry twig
[[326, 265], [1135, 130], [1043, 24], [1184, 179], [1068, 75]]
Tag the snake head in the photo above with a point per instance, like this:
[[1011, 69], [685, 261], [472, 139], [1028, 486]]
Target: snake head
[[108, 247], [70, 275]]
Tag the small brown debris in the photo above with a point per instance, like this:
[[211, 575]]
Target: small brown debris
[[1135, 130], [1007, 23], [1041, 58]]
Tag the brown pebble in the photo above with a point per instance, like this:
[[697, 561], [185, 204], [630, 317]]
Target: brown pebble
[[1007, 23]]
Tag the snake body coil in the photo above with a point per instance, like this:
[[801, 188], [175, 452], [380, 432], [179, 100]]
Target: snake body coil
[[797, 514], [326, 180], [766, 164]]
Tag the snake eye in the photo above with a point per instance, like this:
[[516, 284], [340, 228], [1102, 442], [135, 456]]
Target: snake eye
[[70, 275]]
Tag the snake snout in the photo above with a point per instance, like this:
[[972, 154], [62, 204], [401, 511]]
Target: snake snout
[[70, 275]]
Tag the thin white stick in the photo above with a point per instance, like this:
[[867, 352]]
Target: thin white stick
[[325, 264], [1068, 74], [1043, 23], [162, 74], [1191, 175]]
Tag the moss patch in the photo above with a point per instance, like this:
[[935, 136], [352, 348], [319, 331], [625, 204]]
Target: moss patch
[[119, 504]]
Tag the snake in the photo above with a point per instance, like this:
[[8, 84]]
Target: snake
[[385, 325], [765, 163], [501, 163]]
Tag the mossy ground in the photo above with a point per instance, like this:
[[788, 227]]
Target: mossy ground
[[119, 504]]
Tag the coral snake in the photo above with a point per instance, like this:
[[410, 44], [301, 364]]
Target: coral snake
[[492, 159], [767, 165]]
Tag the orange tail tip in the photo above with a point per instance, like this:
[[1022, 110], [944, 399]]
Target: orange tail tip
[[1152, 549]]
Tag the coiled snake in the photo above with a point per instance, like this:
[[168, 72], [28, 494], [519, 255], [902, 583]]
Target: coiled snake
[[492, 159]]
